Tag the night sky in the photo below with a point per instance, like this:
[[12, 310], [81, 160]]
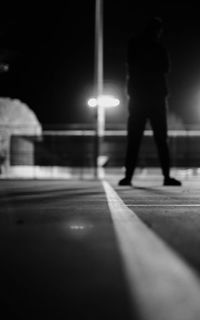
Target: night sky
[[50, 50]]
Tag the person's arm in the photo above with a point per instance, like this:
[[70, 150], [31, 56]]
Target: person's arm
[[166, 61]]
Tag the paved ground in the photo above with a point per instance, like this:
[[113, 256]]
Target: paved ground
[[172, 212], [69, 249]]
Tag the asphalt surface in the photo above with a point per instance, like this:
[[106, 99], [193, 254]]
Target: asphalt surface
[[173, 213], [59, 248]]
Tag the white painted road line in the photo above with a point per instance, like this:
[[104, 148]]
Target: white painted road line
[[160, 282], [162, 205]]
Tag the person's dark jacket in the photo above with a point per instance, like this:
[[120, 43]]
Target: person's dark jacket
[[148, 64]]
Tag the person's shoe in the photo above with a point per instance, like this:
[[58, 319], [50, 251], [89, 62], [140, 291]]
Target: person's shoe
[[171, 182], [125, 182]]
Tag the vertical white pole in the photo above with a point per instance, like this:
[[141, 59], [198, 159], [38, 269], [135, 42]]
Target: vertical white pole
[[100, 115]]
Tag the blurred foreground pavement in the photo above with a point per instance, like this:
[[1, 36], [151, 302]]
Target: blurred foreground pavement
[[61, 253]]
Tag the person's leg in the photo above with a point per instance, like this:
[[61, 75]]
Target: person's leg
[[135, 128], [158, 121]]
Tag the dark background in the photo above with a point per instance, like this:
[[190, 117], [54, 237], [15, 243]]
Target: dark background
[[50, 50]]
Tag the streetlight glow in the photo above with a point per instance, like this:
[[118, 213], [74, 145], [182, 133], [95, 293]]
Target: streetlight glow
[[105, 101], [92, 102]]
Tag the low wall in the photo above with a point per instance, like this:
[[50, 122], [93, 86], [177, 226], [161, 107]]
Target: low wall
[[77, 149]]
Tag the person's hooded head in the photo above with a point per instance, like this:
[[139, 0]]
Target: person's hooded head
[[153, 28]]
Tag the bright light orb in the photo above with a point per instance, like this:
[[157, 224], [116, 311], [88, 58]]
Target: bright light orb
[[108, 101], [92, 102], [105, 101]]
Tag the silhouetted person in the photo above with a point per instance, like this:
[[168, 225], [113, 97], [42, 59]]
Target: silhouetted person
[[148, 65]]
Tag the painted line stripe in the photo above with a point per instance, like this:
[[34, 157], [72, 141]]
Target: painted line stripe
[[161, 284], [148, 133], [162, 205]]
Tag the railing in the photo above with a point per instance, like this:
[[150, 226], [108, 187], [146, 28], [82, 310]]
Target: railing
[[75, 148]]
